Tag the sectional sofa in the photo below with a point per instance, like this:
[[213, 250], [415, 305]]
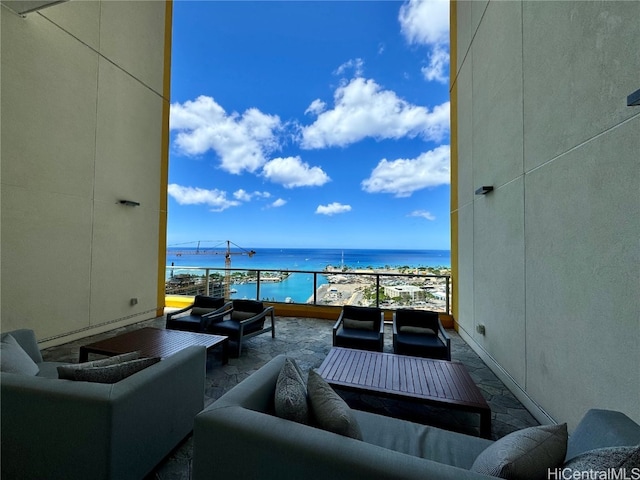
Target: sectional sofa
[[239, 436], [64, 429]]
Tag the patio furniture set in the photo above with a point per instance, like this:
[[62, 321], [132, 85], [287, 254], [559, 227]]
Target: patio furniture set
[[56, 424]]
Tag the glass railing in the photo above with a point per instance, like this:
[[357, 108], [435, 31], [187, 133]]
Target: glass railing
[[389, 290]]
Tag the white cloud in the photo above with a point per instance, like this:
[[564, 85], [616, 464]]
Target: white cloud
[[279, 203], [332, 209], [422, 214], [426, 22], [241, 141], [437, 70], [293, 172], [402, 177], [356, 64], [216, 199], [316, 107], [245, 196], [363, 109]]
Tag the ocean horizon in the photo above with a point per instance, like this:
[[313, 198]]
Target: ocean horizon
[[311, 259], [298, 287]]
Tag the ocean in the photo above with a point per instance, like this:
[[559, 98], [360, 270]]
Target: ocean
[[298, 287]]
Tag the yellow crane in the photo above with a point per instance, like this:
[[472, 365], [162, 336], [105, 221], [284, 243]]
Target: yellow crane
[[227, 260]]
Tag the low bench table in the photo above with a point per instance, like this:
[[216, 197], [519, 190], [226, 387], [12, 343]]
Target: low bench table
[[155, 342], [435, 382]]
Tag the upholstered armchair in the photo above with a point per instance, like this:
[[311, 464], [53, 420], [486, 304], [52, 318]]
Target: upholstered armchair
[[245, 319], [420, 333], [359, 327], [198, 315]]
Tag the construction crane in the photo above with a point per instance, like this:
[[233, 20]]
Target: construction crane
[[227, 260]]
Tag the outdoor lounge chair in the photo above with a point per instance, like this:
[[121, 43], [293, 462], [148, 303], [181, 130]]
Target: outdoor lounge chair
[[359, 327], [419, 333], [245, 320], [199, 314]]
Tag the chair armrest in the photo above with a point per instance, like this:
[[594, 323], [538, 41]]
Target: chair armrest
[[218, 316], [395, 325], [228, 306], [337, 325], [447, 340], [260, 315], [338, 322], [381, 323]]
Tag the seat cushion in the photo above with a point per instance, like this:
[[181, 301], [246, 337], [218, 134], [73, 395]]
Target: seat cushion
[[360, 339], [418, 345], [191, 323]]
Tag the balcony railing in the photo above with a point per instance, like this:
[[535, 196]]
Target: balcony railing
[[387, 290]]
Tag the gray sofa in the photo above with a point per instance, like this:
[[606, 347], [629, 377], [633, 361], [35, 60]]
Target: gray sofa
[[63, 429], [238, 436]]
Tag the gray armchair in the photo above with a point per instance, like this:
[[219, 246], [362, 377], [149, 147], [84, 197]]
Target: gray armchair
[[359, 327], [420, 333], [199, 316], [245, 319]]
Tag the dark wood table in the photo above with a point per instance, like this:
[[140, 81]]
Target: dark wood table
[[435, 382], [155, 342]]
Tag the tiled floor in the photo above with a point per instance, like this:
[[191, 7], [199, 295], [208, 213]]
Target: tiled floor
[[308, 341]]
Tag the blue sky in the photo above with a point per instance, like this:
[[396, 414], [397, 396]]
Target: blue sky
[[310, 124]]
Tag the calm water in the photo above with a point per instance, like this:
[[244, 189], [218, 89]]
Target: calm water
[[299, 286]]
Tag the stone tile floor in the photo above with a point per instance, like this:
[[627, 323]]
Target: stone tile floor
[[308, 341]]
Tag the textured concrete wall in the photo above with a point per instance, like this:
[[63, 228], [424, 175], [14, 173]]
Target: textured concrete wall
[[82, 99], [549, 262]]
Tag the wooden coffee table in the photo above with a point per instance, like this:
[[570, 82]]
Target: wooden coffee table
[[155, 342], [435, 382]]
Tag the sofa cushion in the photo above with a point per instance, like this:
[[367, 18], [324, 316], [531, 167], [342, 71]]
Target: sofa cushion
[[13, 358], [603, 459], [525, 454], [199, 311], [291, 394], [67, 371], [112, 373], [329, 410]]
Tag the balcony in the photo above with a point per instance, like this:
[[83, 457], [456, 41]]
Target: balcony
[[318, 294], [308, 340]]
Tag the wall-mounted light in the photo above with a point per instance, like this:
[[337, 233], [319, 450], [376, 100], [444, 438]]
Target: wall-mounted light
[[633, 100], [484, 190], [129, 203], [22, 7]]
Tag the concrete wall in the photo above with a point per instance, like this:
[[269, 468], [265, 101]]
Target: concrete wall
[[549, 262], [82, 101]]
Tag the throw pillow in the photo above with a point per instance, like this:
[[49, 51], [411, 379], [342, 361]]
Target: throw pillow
[[604, 459], [419, 330], [291, 394], [67, 372], [525, 454], [359, 324], [112, 373], [13, 358], [329, 410]]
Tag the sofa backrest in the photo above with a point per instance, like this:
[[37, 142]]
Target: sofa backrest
[[27, 340], [602, 428]]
